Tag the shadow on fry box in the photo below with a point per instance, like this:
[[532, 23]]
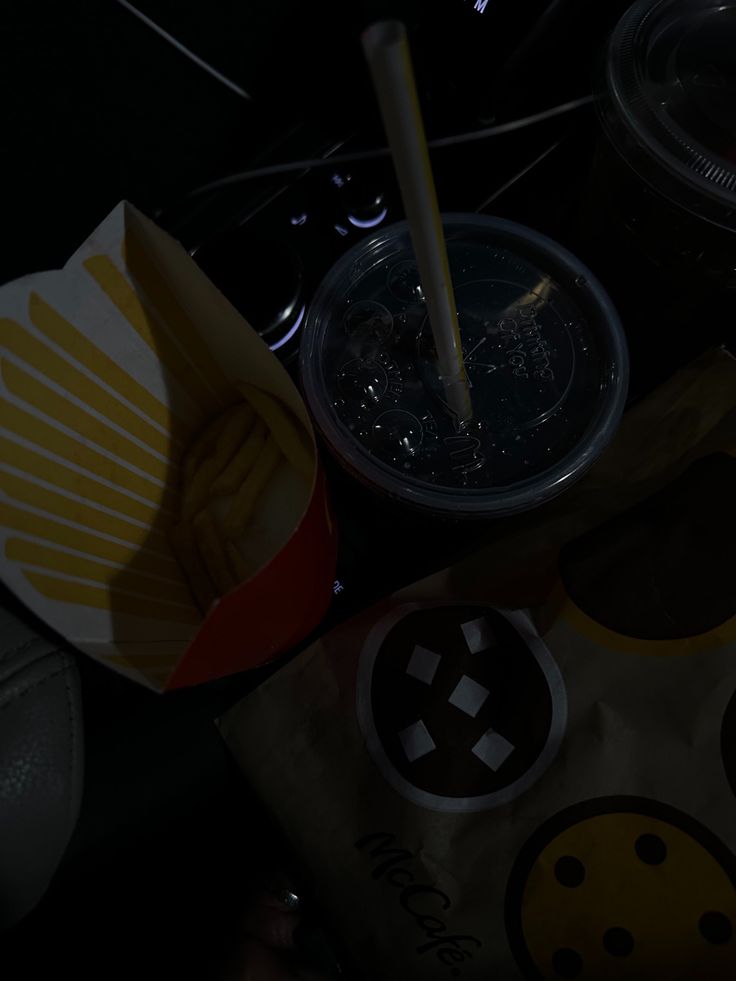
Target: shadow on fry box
[[162, 505]]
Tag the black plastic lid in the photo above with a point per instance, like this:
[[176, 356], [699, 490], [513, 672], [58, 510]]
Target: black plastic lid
[[669, 104]]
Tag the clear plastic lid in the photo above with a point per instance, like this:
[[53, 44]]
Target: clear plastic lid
[[669, 100], [544, 352]]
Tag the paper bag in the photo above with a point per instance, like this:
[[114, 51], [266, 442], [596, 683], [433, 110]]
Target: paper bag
[[484, 793]]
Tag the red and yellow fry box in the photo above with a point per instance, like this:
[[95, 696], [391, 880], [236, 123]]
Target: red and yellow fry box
[[109, 369]]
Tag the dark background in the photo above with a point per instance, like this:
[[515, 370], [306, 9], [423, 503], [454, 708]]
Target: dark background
[[97, 107]]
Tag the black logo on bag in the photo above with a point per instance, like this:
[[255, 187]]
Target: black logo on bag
[[462, 706], [426, 905]]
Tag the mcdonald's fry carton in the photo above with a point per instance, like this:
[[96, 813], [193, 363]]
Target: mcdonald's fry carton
[[129, 385]]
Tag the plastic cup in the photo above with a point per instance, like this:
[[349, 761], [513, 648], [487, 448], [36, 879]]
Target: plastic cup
[[665, 173], [543, 347]]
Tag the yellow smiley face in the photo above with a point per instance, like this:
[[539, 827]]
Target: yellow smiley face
[[628, 896]]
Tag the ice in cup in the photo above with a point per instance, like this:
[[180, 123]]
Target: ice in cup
[[544, 351]]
